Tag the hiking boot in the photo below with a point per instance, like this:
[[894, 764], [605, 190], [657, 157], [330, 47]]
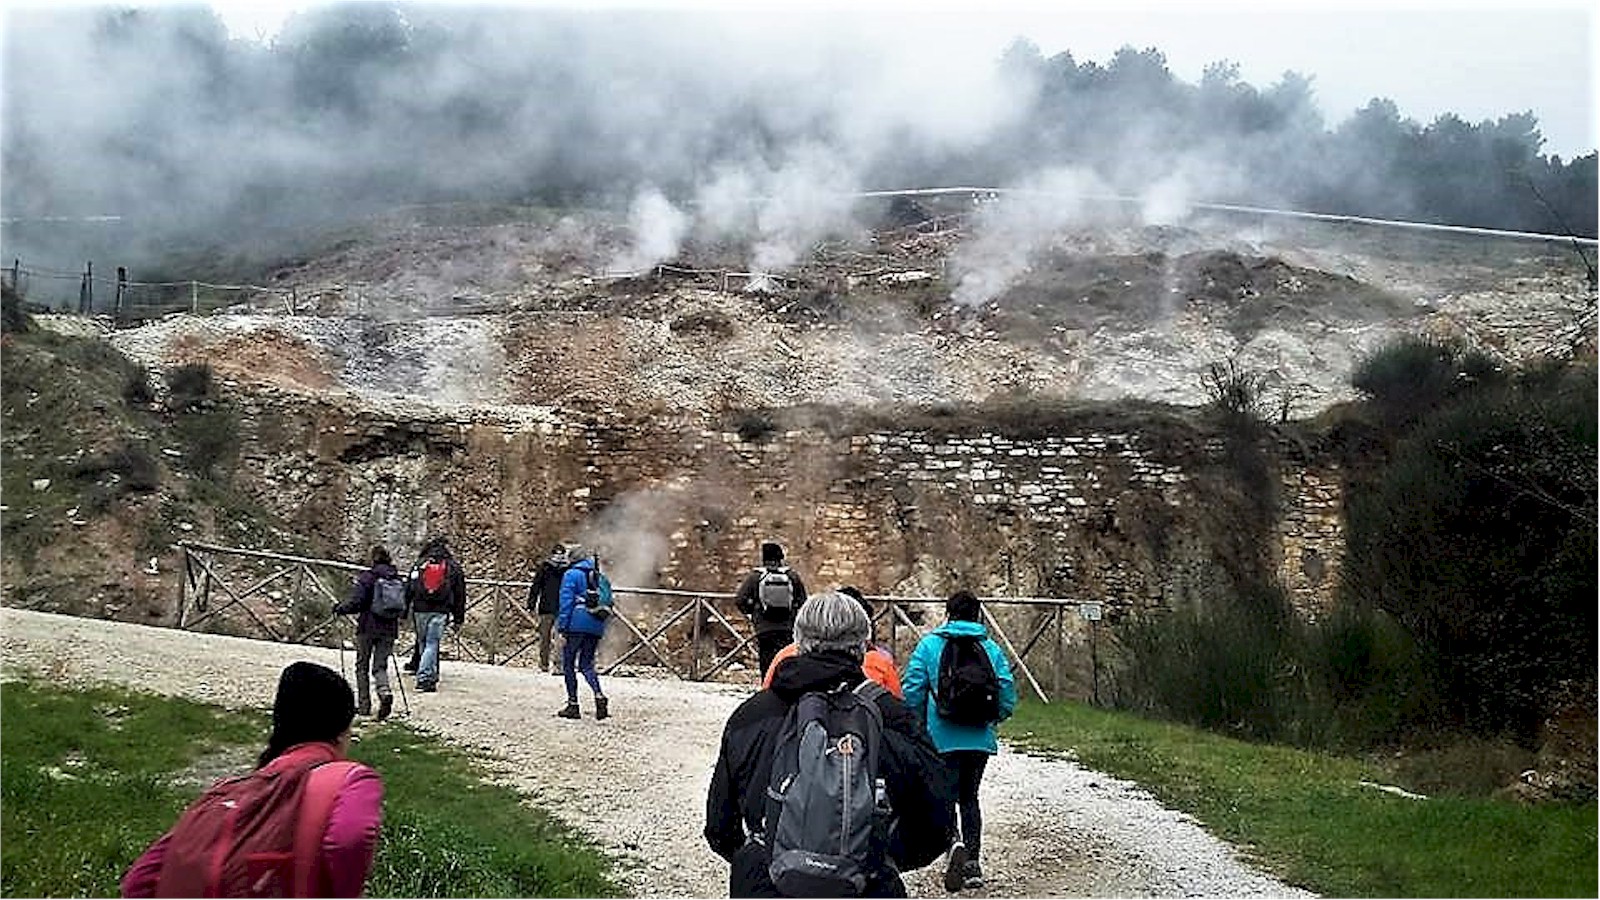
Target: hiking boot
[[602, 708], [570, 711], [955, 877], [972, 874], [429, 688], [410, 668], [385, 706]]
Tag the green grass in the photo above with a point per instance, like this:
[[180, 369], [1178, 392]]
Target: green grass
[[87, 783], [1305, 816]]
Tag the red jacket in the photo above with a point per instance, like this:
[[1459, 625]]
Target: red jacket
[[348, 842]]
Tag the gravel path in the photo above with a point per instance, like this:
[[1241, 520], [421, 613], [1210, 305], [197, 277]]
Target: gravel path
[[637, 781]]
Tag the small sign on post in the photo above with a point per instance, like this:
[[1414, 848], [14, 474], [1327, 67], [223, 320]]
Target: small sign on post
[[1090, 611]]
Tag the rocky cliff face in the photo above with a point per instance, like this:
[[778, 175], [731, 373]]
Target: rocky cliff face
[[486, 383]]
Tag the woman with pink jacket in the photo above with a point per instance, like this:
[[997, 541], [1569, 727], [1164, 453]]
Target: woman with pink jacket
[[304, 823]]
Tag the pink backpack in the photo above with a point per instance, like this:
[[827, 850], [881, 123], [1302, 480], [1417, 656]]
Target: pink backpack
[[258, 835]]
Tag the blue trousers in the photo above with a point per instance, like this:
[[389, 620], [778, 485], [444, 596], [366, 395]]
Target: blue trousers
[[577, 655], [430, 631]]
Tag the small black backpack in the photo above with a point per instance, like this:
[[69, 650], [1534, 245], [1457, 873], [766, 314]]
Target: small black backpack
[[968, 692], [827, 817]]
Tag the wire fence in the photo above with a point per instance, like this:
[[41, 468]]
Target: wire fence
[[126, 300]]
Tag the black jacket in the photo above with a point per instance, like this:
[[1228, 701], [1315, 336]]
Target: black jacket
[[749, 604], [544, 596], [922, 789], [360, 601], [453, 599]]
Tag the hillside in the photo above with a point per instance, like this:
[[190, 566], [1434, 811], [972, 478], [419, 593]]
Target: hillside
[[442, 315]]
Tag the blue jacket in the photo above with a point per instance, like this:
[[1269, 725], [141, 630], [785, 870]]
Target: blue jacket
[[921, 679], [574, 618]]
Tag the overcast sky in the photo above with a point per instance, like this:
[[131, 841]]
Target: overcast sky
[[1480, 60]]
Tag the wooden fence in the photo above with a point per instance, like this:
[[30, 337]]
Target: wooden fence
[[693, 635]]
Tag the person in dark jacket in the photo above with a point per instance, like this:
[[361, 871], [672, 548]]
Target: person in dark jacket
[[831, 631], [544, 598], [375, 636], [773, 625], [431, 610], [580, 638]]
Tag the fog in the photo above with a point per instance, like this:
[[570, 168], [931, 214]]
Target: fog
[[684, 124]]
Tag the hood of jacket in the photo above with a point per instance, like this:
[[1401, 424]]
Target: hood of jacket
[[586, 564], [962, 628], [819, 671]]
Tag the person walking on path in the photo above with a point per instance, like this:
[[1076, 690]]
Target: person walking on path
[[877, 664], [438, 595], [959, 683], [376, 631], [581, 630], [770, 596], [240, 838], [544, 598], [916, 791]]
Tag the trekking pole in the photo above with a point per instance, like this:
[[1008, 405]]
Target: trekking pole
[[340, 638], [400, 679]]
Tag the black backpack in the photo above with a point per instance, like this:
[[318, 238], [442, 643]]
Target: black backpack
[[827, 817], [968, 692]]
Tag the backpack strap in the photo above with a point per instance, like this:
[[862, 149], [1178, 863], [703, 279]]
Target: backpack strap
[[316, 804]]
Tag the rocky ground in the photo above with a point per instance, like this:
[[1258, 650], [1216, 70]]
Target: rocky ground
[[636, 783], [508, 315]]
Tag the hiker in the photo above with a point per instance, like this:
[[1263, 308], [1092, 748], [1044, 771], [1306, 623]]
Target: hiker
[[770, 596], [437, 591], [959, 683], [378, 598], [756, 821], [878, 664], [582, 623], [544, 598], [239, 838]]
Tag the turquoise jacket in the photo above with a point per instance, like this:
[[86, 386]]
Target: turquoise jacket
[[921, 678]]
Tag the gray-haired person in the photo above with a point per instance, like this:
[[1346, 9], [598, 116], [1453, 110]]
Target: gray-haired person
[[831, 632]]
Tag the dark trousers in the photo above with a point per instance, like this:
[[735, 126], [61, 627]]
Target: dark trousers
[[768, 643], [968, 766]]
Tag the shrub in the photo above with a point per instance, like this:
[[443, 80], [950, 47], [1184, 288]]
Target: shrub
[[1479, 538], [136, 389], [753, 427], [1409, 377], [211, 438], [189, 386]]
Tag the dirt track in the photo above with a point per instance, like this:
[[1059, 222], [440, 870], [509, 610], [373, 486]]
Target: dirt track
[[637, 781]]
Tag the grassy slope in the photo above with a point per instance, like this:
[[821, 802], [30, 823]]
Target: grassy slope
[[87, 784], [64, 418], [1306, 817]]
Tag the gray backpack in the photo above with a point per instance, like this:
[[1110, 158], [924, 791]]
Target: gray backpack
[[775, 593], [827, 814], [388, 597]]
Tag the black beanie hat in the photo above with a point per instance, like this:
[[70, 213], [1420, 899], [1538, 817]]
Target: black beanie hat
[[314, 703], [771, 552]]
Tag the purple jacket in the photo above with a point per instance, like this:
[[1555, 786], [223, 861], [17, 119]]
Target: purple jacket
[[360, 601]]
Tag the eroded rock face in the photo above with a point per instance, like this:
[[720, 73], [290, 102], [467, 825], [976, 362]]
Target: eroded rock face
[[514, 399]]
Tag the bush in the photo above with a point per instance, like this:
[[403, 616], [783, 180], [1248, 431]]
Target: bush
[[136, 389], [1479, 538], [189, 386], [1412, 376], [753, 427], [211, 438]]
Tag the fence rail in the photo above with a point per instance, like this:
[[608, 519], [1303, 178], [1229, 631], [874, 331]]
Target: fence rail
[[691, 635]]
